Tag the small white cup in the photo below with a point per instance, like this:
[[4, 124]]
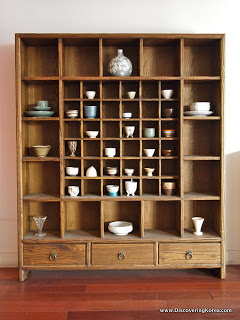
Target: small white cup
[[110, 152], [129, 172], [149, 152], [200, 106], [167, 93], [90, 94], [131, 94], [127, 115], [72, 171], [73, 191]]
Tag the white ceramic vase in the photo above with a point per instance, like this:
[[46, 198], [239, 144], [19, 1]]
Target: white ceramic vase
[[198, 222], [131, 187], [91, 172]]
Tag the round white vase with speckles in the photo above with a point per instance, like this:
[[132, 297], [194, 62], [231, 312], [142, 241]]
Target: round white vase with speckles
[[120, 66]]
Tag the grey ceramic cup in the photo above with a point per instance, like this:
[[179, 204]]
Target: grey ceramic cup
[[90, 112], [42, 103], [149, 132]]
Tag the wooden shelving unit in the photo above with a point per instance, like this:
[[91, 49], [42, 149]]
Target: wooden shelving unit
[[60, 68]]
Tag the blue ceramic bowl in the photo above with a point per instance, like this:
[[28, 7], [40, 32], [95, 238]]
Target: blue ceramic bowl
[[113, 194], [90, 112]]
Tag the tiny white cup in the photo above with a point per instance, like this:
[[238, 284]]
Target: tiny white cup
[[198, 222], [73, 191], [110, 152], [131, 94], [90, 94]]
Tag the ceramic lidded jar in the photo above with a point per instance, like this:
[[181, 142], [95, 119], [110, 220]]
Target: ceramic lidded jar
[[120, 66]]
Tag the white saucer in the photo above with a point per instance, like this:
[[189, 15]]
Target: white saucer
[[198, 113]]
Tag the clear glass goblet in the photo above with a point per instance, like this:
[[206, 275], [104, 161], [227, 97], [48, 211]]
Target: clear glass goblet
[[39, 223]]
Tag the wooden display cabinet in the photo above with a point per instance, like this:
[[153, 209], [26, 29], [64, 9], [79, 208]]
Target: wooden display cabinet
[[60, 68]]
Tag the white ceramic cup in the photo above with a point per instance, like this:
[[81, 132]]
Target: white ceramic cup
[[131, 187], [131, 94], [149, 152], [110, 152], [129, 172], [200, 106], [167, 93], [198, 222], [90, 94], [129, 130], [127, 115], [72, 171], [73, 191], [92, 134]]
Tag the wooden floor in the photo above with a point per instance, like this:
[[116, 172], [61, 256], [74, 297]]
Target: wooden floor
[[115, 295]]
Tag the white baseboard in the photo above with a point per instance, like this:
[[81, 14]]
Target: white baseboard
[[10, 259]]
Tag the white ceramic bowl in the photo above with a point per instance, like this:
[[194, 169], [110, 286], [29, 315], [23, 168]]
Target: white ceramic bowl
[[120, 228], [110, 152], [167, 93], [200, 106], [131, 94], [112, 188], [128, 171], [112, 171], [72, 171], [90, 94], [73, 191], [72, 113], [92, 134], [149, 152], [127, 115]]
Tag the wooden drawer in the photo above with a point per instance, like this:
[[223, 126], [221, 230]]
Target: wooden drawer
[[189, 253], [122, 254], [44, 254]]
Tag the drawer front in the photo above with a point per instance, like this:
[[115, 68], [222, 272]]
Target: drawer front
[[54, 254], [189, 253], [122, 254]]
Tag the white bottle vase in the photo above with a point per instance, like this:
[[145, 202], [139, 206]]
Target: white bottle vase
[[198, 222]]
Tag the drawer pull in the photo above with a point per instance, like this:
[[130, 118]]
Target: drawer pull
[[121, 255], [53, 256], [189, 254]]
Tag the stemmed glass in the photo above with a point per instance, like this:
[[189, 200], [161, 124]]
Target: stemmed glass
[[39, 223]]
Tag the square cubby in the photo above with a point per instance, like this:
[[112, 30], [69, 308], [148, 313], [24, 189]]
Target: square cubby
[[150, 187], [71, 89], [111, 129], [41, 177], [169, 148], [201, 138], [72, 129], [92, 187], [110, 90], [71, 105], [207, 91], [87, 163], [132, 107], [80, 224], [150, 124], [170, 168], [40, 91], [128, 86], [150, 109], [91, 148], [161, 57], [111, 182], [150, 89], [202, 178], [72, 168], [111, 163], [72, 182], [125, 187], [160, 216], [170, 125], [130, 164], [130, 49], [111, 144], [210, 211], [130, 129], [119, 211], [170, 85], [72, 149], [39, 57], [130, 148], [150, 164], [110, 110], [170, 110], [80, 57], [91, 110], [37, 133], [201, 57], [150, 148], [170, 186], [91, 125], [91, 86], [51, 210]]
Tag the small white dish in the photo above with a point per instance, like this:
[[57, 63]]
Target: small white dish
[[92, 134], [167, 93], [110, 152], [149, 152], [120, 228], [90, 94], [127, 115], [129, 172], [131, 94], [198, 113], [72, 171]]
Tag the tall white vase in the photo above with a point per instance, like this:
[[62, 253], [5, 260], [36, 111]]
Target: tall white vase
[[198, 222]]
